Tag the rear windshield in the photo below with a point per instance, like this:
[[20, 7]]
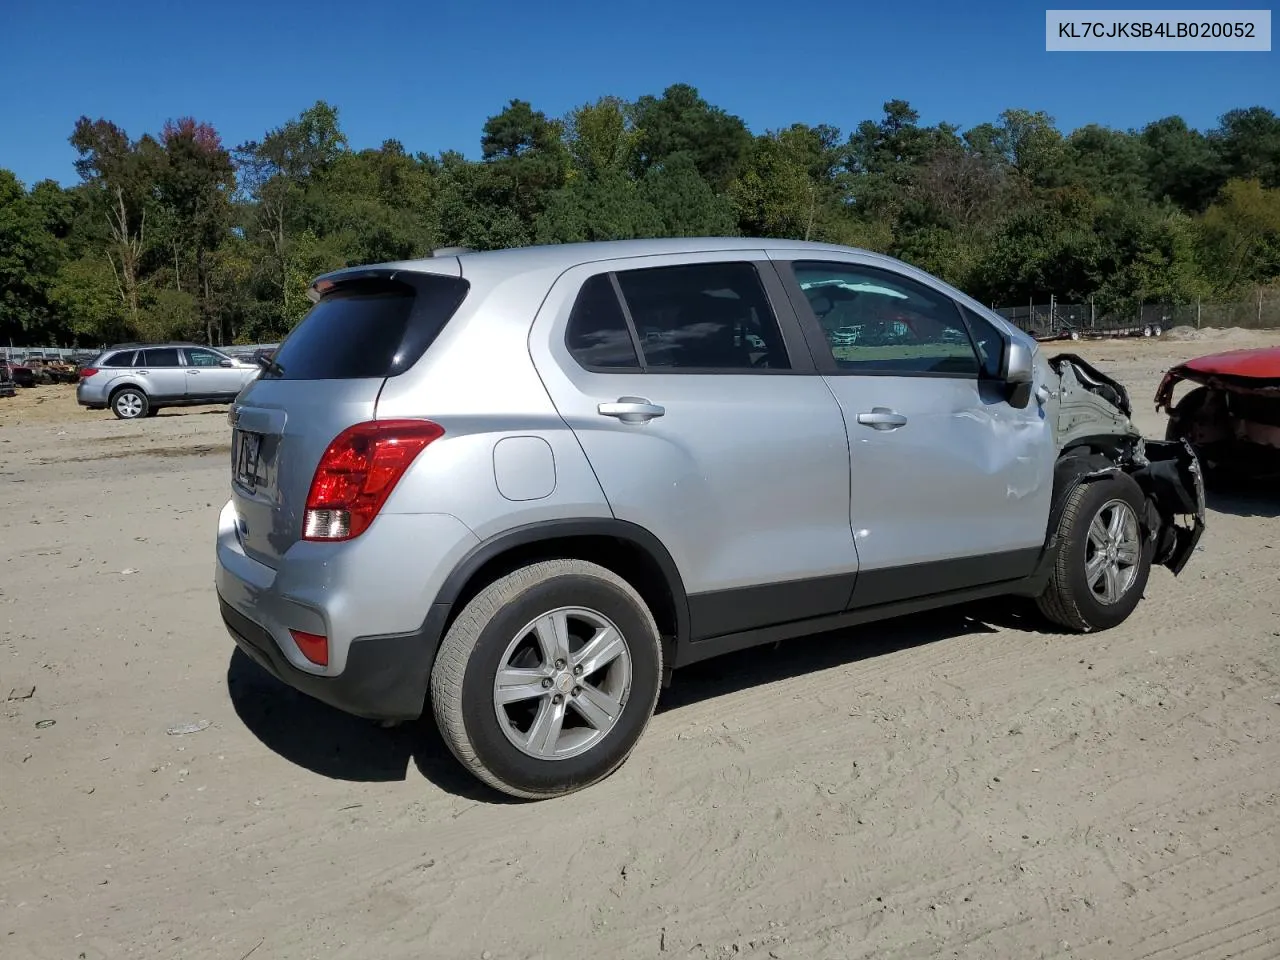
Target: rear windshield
[[368, 329]]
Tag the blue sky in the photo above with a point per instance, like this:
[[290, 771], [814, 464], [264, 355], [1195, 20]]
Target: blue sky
[[429, 73]]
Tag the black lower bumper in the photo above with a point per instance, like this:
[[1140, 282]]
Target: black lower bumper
[[385, 678]]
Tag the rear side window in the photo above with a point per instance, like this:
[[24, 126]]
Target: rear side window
[[705, 316], [368, 329], [597, 335], [122, 359]]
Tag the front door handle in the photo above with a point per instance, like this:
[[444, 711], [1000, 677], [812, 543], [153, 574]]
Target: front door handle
[[631, 410], [882, 418], [193, 372]]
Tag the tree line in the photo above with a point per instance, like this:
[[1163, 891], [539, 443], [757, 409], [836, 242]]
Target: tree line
[[177, 235]]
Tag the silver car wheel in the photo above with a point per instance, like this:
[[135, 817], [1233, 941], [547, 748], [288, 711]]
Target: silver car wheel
[[1113, 552], [562, 683], [129, 405]]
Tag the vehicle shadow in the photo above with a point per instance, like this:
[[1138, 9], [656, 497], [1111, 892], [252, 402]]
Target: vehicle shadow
[[339, 746], [1245, 500], [336, 745], [758, 666]]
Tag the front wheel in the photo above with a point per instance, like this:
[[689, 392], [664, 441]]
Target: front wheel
[[1103, 557], [546, 681]]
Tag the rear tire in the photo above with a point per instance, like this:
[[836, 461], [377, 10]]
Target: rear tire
[[530, 629], [1103, 559], [130, 403]]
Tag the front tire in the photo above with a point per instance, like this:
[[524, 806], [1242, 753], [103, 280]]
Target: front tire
[[546, 681], [1103, 560], [130, 403]]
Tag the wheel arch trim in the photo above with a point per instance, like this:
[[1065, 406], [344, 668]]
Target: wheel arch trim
[[550, 531]]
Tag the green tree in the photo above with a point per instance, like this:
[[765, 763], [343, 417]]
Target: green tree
[[608, 207], [276, 172], [194, 188], [28, 263], [1240, 237], [601, 136], [121, 174], [681, 121]]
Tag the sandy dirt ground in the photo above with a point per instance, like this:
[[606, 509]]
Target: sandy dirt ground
[[954, 785]]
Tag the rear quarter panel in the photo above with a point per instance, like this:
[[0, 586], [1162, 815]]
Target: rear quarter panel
[[478, 382]]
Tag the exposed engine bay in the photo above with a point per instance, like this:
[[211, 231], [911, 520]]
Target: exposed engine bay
[[1096, 438]]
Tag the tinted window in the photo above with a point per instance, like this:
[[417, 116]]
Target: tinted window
[[375, 329], [876, 320], [123, 359], [161, 357], [202, 358], [704, 316], [597, 335]]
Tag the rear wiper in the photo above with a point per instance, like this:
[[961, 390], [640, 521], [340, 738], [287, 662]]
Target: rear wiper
[[269, 364]]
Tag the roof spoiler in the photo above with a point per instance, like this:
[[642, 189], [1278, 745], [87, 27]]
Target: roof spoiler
[[451, 251]]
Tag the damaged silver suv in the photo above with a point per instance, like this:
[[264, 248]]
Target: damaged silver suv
[[517, 488]]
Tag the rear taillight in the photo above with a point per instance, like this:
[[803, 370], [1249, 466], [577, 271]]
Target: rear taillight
[[87, 372], [357, 473]]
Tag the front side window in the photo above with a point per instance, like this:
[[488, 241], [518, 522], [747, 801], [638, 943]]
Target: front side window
[[988, 340], [706, 316], [874, 320], [203, 358], [161, 357]]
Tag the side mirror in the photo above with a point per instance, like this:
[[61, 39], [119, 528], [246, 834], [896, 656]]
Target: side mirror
[[1019, 365], [1018, 371], [226, 363]]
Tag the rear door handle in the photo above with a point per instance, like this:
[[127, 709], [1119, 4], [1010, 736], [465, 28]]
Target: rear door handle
[[882, 418], [631, 410], [193, 372]]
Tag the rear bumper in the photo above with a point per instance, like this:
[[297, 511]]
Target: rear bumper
[[90, 397], [371, 597], [385, 678]]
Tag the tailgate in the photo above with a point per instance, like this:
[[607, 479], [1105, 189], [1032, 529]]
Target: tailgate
[[324, 378]]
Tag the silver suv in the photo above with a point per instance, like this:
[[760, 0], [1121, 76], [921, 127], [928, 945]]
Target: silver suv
[[524, 485], [135, 380]]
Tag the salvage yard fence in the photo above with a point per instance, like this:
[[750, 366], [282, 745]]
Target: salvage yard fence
[[1259, 312]]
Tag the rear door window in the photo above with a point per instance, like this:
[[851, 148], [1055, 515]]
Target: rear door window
[[703, 316], [161, 357], [368, 329]]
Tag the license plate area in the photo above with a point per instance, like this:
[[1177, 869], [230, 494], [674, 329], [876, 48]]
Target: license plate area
[[246, 457]]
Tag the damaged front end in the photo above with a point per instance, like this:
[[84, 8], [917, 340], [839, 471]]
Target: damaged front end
[[1097, 438]]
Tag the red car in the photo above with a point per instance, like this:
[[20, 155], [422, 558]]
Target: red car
[[1232, 418]]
